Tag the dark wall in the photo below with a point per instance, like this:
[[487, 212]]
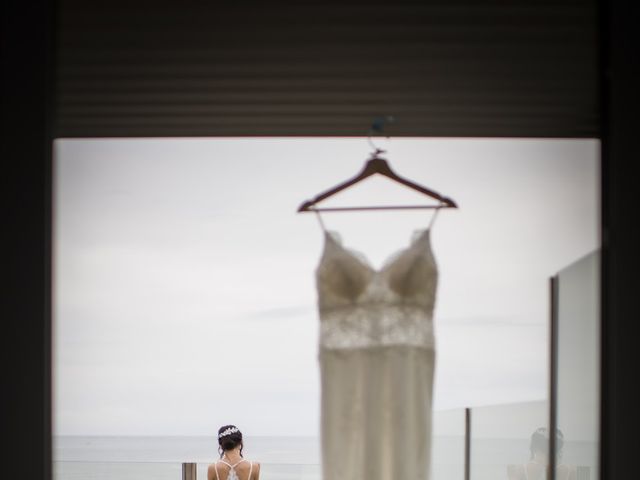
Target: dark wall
[[27, 117], [620, 77], [490, 68]]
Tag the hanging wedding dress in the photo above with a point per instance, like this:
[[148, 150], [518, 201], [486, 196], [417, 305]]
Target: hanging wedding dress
[[376, 354]]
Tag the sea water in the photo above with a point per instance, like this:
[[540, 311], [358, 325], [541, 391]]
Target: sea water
[[281, 458], [161, 457]]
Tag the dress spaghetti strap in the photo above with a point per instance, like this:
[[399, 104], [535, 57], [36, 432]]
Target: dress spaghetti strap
[[233, 467], [324, 229], [433, 217]]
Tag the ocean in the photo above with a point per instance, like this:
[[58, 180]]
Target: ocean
[[161, 458], [281, 458]]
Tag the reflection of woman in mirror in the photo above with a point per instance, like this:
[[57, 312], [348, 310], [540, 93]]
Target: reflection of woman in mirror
[[537, 466], [232, 465]]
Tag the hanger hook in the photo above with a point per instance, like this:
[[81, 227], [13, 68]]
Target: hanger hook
[[378, 126]]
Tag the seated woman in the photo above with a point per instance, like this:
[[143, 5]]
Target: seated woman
[[232, 465], [538, 465]]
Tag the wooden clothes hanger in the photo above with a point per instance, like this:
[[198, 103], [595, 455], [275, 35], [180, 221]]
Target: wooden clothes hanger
[[379, 165]]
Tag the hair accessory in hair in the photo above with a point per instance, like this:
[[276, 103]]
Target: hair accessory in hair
[[228, 431]]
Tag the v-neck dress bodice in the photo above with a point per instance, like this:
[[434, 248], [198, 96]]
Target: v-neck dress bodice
[[377, 359], [361, 307]]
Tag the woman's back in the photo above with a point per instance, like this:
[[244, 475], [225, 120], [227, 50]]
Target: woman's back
[[232, 465], [240, 470]]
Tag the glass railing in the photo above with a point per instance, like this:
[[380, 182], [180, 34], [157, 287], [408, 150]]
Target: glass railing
[[499, 448], [499, 436], [501, 439], [448, 445], [577, 347], [447, 458]]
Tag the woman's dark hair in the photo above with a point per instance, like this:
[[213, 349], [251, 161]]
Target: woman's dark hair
[[229, 437], [540, 442]]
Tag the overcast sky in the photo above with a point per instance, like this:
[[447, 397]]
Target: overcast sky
[[184, 294]]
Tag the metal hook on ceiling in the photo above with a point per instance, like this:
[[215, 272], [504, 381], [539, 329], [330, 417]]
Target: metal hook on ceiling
[[377, 127]]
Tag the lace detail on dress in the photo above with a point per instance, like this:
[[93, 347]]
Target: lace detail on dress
[[361, 307], [369, 326]]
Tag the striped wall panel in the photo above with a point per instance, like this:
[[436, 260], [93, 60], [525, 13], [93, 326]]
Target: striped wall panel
[[441, 68]]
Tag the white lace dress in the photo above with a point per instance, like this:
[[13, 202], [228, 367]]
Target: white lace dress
[[376, 354]]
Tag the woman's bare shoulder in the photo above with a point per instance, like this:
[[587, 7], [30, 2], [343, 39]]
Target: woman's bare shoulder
[[211, 471], [256, 470]]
